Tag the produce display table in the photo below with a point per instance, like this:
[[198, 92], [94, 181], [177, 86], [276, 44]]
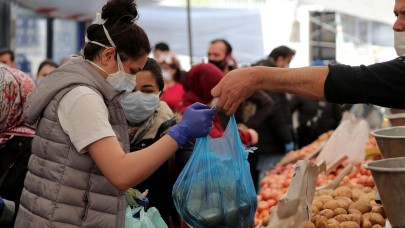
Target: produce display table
[[351, 204]]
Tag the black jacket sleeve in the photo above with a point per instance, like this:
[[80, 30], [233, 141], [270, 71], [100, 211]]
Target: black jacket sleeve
[[264, 105], [380, 84]]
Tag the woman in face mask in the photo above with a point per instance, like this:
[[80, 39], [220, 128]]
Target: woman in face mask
[[173, 76], [149, 120], [80, 164]]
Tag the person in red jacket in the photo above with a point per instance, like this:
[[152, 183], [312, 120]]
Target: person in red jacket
[[198, 84], [173, 76]]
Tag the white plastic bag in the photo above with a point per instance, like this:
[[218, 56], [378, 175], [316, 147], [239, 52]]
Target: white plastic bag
[[145, 219], [349, 139]]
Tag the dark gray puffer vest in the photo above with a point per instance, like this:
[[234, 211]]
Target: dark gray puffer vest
[[64, 188]]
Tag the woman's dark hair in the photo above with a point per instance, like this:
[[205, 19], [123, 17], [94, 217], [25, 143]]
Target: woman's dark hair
[[153, 66], [47, 62], [130, 39]]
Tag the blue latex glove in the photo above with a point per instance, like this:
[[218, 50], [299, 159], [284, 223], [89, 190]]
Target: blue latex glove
[[289, 147], [2, 205], [196, 123]]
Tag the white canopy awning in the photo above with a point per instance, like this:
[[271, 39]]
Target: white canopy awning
[[71, 9]]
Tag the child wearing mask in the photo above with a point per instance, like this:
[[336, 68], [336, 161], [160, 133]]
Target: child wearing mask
[[149, 119]]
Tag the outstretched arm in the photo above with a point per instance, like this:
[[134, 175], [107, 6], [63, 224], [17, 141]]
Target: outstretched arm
[[239, 84]]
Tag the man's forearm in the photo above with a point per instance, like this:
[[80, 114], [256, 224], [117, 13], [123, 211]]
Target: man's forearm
[[307, 82]]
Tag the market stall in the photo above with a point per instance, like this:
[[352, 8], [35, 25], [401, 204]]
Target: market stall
[[343, 193]]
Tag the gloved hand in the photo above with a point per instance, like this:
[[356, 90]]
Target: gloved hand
[[2, 205], [289, 147], [196, 123]]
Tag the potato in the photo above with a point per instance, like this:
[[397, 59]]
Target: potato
[[344, 203], [307, 224], [379, 209], [356, 218], [315, 210], [320, 221], [377, 226], [356, 193], [328, 213], [366, 221], [355, 211], [366, 224], [349, 224], [365, 197], [339, 211], [324, 198], [361, 206], [367, 189], [331, 204], [333, 223], [342, 191], [376, 218], [346, 199], [266, 220], [371, 195], [318, 204], [326, 192], [373, 203], [342, 218]]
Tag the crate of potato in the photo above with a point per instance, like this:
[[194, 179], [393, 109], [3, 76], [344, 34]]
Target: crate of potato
[[276, 183], [347, 206]]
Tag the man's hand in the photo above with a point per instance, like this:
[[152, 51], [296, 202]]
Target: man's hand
[[234, 88]]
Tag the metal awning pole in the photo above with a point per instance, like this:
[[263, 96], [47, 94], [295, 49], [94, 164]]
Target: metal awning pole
[[190, 40]]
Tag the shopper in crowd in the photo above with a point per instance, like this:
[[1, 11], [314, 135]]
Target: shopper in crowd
[[276, 130], [314, 118], [199, 81], [45, 67], [220, 54], [381, 84], [149, 119], [15, 140], [160, 50], [173, 77], [80, 163], [7, 57]]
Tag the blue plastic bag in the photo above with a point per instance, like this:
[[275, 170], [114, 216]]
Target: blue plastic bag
[[215, 188]]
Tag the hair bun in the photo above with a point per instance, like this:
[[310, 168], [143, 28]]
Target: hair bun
[[124, 10]]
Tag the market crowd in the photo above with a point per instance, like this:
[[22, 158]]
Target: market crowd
[[57, 128]]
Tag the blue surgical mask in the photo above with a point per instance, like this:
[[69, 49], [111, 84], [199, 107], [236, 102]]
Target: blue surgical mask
[[139, 106], [120, 80]]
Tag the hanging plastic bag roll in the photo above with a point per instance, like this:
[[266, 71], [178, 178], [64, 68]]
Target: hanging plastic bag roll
[[215, 188]]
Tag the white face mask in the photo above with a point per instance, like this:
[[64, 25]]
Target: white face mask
[[120, 80], [166, 75], [399, 43], [139, 106]]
